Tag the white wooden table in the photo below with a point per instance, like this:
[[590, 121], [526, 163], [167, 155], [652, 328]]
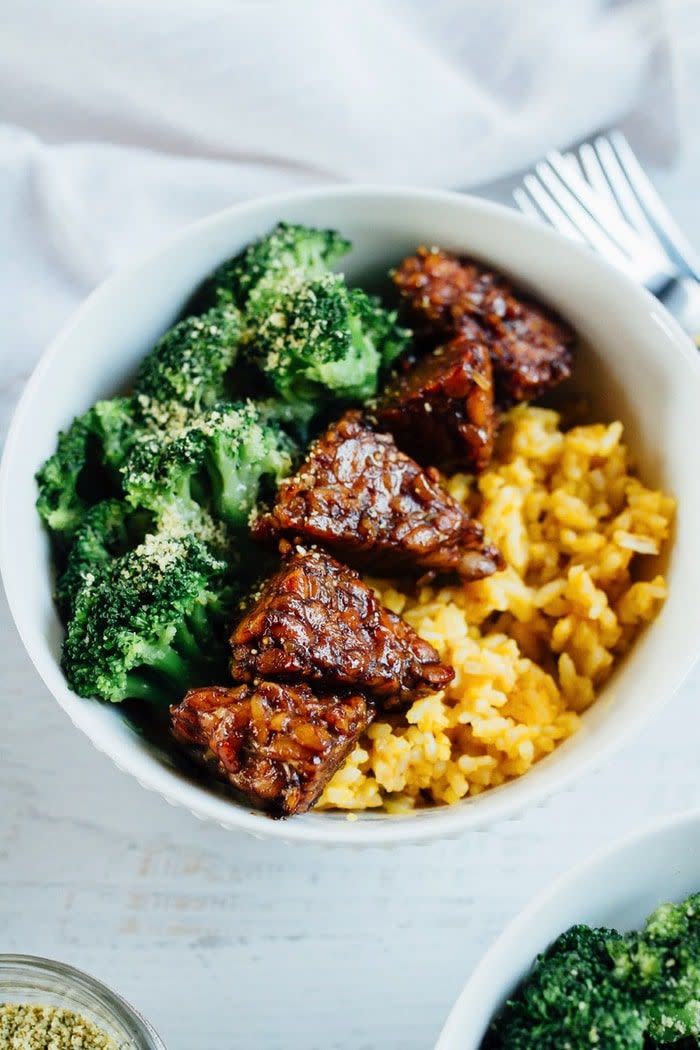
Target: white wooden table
[[225, 942]]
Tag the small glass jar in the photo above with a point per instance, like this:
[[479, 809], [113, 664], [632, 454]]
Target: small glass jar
[[26, 979]]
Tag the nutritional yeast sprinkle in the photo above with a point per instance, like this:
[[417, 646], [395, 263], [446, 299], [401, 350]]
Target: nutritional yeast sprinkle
[[30, 1027]]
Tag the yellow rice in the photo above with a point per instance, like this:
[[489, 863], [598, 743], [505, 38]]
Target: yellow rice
[[532, 645]]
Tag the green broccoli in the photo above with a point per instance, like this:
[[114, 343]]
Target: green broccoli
[[190, 363], [300, 250], [293, 419], [319, 340], [108, 530], [661, 966], [150, 624], [571, 999], [84, 468], [221, 459]]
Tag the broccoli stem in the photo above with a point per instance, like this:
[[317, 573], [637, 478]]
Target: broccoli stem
[[187, 643], [200, 624], [171, 671], [229, 486], [172, 666], [163, 680], [141, 688]]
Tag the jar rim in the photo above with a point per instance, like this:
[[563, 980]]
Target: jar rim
[[137, 1027]]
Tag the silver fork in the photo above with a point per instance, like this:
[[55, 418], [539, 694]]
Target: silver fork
[[601, 196]]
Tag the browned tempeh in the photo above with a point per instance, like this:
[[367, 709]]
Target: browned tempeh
[[316, 621], [531, 348], [277, 744], [376, 508], [442, 410]]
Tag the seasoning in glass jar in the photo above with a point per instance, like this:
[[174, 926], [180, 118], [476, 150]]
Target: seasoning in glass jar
[[47, 1005], [28, 1026]]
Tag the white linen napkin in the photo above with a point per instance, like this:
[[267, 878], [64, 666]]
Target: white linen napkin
[[124, 120]]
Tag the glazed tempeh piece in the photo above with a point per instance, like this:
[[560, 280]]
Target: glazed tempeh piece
[[442, 410], [316, 620], [277, 744], [531, 348], [376, 508]]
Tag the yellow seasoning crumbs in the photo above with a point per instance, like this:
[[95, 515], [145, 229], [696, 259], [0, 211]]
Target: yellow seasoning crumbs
[[25, 1026]]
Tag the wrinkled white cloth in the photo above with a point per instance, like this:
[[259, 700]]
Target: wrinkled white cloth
[[446, 91], [123, 120]]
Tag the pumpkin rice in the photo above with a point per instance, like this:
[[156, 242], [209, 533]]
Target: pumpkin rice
[[530, 645]]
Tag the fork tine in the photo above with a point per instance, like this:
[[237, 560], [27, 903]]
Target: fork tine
[[612, 171], [572, 160], [594, 173], [656, 210], [585, 222], [606, 215], [525, 204], [548, 207], [575, 166]]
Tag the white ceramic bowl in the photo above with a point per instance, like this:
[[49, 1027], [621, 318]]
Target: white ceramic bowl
[[637, 364], [617, 887]]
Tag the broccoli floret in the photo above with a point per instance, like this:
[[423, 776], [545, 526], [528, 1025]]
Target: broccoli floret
[[597, 987], [221, 459], [84, 468], [319, 340], [189, 365], [149, 626], [293, 419], [661, 965], [108, 530], [570, 1000], [302, 250], [115, 425]]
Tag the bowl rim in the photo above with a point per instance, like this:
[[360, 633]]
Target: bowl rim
[[329, 828], [538, 904]]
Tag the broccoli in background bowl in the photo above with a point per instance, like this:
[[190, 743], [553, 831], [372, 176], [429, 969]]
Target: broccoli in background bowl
[[597, 988]]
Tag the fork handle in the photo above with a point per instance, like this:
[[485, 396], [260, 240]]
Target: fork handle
[[682, 298]]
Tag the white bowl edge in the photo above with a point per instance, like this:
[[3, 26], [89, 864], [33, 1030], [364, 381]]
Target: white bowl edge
[[127, 751], [609, 888]]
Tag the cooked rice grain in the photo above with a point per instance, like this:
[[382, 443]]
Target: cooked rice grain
[[532, 645]]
